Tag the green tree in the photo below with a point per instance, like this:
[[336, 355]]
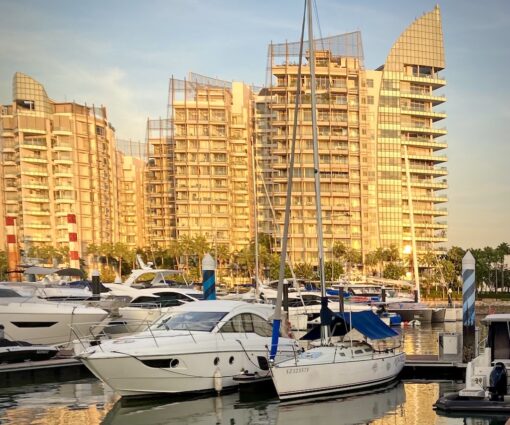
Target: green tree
[[393, 271], [3, 265], [305, 271], [455, 255], [333, 270]]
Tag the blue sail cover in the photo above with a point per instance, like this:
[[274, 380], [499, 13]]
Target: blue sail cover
[[365, 322]]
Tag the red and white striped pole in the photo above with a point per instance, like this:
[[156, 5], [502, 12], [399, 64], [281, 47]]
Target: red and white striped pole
[[74, 256], [12, 249]]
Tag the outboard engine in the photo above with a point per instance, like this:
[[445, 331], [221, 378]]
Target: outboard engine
[[498, 382]]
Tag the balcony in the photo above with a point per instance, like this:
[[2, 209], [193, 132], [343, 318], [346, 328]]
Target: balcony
[[436, 159], [427, 183], [36, 198], [422, 128], [38, 172], [424, 142], [434, 80], [34, 159], [423, 112], [436, 212], [34, 144], [436, 99], [36, 212]]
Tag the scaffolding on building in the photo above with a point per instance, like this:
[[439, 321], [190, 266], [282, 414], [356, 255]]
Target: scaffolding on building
[[348, 45]]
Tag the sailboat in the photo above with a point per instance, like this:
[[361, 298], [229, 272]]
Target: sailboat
[[355, 350]]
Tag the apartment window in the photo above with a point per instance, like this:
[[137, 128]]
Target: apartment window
[[370, 83], [370, 100]]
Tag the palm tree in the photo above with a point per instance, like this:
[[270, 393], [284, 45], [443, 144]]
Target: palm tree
[[371, 259], [222, 257]]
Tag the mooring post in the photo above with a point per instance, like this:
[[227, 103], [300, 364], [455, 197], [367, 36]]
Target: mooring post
[[208, 277], [96, 283], [341, 307], [468, 307], [286, 296]]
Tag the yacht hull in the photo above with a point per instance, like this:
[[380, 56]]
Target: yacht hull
[[424, 315], [324, 371], [195, 372], [48, 323]]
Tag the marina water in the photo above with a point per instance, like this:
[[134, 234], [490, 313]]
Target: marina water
[[89, 402]]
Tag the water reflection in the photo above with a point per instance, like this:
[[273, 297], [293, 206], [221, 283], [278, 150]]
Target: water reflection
[[229, 409], [83, 402], [88, 402]]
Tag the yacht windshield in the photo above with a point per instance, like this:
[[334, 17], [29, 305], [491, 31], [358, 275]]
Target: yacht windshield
[[203, 321]]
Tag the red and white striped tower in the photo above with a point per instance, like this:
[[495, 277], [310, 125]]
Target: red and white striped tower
[[12, 249], [74, 256]]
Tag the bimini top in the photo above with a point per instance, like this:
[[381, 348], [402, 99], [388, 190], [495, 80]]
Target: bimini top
[[365, 322]]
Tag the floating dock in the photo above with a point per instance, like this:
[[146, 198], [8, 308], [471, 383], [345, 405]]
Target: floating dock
[[420, 366], [53, 370], [66, 369]]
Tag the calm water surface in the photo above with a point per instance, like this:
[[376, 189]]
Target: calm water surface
[[89, 402]]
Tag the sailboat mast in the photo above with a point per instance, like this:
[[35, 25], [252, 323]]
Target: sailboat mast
[[290, 176], [256, 224], [316, 172]]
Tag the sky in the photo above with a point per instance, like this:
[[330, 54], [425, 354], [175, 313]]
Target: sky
[[121, 54]]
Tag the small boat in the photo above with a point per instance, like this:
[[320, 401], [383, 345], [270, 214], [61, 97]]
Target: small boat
[[198, 347], [486, 375], [20, 351], [409, 311]]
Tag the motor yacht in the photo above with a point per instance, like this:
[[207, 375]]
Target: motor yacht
[[200, 346], [43, 322], [149, 305]]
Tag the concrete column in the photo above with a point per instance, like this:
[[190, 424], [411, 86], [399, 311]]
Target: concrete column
[[12, 250], [74, 256]]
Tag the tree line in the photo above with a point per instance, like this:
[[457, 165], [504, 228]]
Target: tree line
[[186, 253]]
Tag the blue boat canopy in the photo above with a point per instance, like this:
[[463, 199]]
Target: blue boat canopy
[[365, 322]]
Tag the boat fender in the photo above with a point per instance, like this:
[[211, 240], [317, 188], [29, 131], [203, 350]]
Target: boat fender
[[289, 329], [218, 380]]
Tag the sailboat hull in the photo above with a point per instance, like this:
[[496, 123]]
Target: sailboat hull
[[327, 370]]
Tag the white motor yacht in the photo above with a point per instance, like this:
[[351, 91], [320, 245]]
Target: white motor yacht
[[42, 322], [148, 306], [200, 346]]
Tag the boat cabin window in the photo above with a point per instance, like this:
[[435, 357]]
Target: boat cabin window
[[8, 293], [164, 299], [203, 321], [307, 300], [247, 323]]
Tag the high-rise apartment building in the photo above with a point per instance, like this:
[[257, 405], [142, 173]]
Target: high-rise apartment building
[[378, 140], [199, 164], [130, 164], [59, 158]]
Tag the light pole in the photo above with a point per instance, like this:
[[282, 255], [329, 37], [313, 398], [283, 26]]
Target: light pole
[[332, 216], [413, 266]]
